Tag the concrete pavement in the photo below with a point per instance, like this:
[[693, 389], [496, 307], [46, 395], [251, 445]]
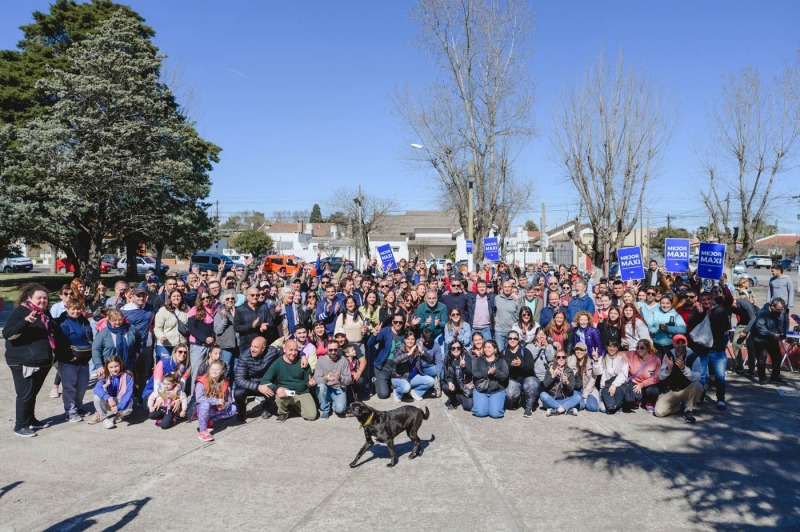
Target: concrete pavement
[[735, 469]]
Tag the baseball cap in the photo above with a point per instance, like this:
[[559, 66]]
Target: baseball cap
[[340, 330], [139, 290], [678, 337], [581, 345]]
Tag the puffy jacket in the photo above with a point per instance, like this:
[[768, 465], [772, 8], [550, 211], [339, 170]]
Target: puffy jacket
[[591, 337], [250, 370], [659, 317], [27, 343]]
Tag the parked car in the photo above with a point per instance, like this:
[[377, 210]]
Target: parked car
[[142, 265], [111, 259], [758, 261], [64, 265], [239, 259], [273, 263], [211, 261], [16, 263], [788, 264]]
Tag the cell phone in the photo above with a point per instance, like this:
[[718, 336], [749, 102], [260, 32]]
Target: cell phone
[[290, 393]]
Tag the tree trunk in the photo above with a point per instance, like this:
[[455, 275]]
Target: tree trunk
[[87, 261], [159, 255], [131, 248]]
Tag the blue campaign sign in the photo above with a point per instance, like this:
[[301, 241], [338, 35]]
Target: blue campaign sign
[[676, 254], [387, 257], [710, 260], [630, 263], [469, 246], [491, 248]]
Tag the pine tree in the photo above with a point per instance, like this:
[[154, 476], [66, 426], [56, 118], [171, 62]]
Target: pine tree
[[316, 214]]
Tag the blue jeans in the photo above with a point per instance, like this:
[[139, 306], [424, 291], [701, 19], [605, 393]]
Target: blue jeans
[[485, 332], [573, 401], [492, 405], [163, 351], [329, 394], [74, 380], [590, 405], [430, 371], [719, 363], [420, 384], [229, 356], [500, 337], [529, 388]]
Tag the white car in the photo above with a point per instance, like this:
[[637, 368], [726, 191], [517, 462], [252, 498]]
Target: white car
[[239, 259], [16, 263], [758, 261]]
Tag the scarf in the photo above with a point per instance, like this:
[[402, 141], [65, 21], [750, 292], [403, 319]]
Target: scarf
[[45, 322], [119, 340], [290, 320]]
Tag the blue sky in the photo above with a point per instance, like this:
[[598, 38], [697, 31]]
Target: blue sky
[[298, 93]]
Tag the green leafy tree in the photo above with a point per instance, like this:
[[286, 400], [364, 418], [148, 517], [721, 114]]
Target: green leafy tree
[[110, 147], [44, 45], [253, 242], [316, 214], [243, 220], [530, 225], [657, 242]]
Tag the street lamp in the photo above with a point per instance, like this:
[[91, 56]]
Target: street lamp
[[471, 200]]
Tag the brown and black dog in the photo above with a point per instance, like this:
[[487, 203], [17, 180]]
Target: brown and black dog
[[385, 426]]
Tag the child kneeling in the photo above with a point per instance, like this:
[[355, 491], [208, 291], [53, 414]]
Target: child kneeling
[[167, 400], [113, 394], [214, 399]]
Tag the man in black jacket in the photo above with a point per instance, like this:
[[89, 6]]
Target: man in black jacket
[[521, 378], [249, 371], [254, 319], [652, 277], [767, 333], [720, 322]]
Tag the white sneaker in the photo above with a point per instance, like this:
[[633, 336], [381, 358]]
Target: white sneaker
[[109, 423], [415, 395]]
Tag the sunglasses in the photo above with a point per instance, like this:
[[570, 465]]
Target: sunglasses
[[204, 298], [514, 338], [455, 348], [398, 322], [333, 350], [455, 314], [66, 293], [184, 351], [383, 286], [561, 358], [230, 299], [651, 293], [641, 347]]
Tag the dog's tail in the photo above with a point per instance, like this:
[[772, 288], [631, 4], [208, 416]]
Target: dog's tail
[[425, 413]]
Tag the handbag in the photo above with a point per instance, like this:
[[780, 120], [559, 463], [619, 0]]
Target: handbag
[[183, 329], [702, 334]]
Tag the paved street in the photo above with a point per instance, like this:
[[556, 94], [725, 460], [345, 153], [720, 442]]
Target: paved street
[[737, 469]]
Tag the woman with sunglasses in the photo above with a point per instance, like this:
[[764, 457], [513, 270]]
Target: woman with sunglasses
[[643, 369], [201, 331], [56, 311], [457, 329], [457, 384], [585, 378], [559, 395], [489, 373], [522, 382], [566, 294], [225, 333], [525, 327], [634, 327], [177, 363]]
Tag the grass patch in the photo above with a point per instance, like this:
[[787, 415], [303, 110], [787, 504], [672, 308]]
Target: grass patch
[[10, 283]]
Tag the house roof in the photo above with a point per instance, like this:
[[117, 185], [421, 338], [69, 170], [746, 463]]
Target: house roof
[[779, 240]]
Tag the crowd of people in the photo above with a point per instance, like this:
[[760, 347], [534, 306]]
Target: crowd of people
[[200, 345]]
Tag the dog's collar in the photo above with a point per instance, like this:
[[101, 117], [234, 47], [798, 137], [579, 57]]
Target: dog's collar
[[368, 421]]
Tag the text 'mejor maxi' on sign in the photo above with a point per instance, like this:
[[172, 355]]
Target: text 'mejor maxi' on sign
[[630, 263], [491, 249], [387, 257], [710, 260], [676, 254]]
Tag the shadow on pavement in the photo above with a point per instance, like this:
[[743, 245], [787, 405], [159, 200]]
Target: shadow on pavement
[[736, 469], [86, 520], [9, 487], [379, 450]]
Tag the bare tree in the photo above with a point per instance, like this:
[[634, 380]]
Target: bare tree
[[479, 113], [755, 128], [609, 130], [372, 215]]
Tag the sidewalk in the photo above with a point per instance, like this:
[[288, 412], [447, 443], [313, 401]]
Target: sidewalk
[[735, 469]]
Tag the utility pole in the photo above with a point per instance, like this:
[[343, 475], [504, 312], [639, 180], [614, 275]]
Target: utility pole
[[217, 215], [669, 221], [359, 200], [648, 232], [543, 233]]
